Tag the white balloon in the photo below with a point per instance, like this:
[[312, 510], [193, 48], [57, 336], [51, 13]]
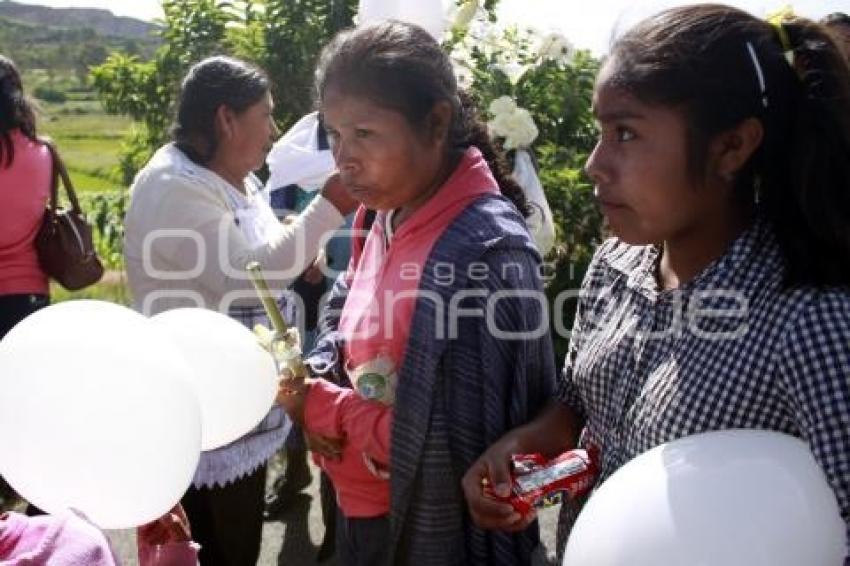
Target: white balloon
[[429, 14], [96, 415], [726, 498], [234, 378]]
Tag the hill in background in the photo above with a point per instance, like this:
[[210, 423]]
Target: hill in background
[[66, 41], [102, 22]]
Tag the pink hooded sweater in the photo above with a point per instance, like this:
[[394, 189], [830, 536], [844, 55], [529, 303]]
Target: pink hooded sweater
[[68, 540], [376, 320], [24, 191]]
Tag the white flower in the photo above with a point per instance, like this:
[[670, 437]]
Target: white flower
[[555, 47], [502, 105], [511, 122], [521, 130], [464, 77], [513, 69], [465, 15], [464, 67]]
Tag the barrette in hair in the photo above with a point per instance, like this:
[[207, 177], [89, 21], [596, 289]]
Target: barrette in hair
[[759, 73], [777, 20]]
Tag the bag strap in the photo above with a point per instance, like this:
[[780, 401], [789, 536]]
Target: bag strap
[[59, 171]]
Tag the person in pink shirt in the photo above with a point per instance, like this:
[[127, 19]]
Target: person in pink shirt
[[25, 175], [428, 387]]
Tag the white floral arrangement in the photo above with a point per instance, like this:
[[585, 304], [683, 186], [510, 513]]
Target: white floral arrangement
[[555, 47], [512, 50], [511, 122]]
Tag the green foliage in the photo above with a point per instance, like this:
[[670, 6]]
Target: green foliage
[[106, 210], [87, 138], [60, 50], [555, 84], [295, 33], [112, 288], [48, 94], [146, 90]]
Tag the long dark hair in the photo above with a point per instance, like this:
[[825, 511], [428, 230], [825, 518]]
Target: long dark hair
[[208, 85], [721, 66], [16, 112], [400, 66]]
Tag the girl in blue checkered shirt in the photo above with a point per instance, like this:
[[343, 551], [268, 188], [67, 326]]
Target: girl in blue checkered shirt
[[723, 301]]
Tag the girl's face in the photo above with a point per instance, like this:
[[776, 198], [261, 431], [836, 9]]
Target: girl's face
[[250, 135], [382, 161], [639, 169]]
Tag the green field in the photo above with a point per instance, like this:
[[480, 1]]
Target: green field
[[88, 138], [112, 288]]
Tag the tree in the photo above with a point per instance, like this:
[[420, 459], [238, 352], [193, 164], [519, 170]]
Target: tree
[[90, 54], [296, 31]]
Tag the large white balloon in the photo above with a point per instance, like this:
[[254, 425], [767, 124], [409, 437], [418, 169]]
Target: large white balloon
[[429, 14], [726, 498], [234, 377], [96, 415]]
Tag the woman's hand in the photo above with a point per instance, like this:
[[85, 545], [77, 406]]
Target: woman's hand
[[171, 527], [494, 467], [292, 394], [325, 446], [338, 195], [555, 430]]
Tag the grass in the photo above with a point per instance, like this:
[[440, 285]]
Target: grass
[[88, 139], [112, 287]]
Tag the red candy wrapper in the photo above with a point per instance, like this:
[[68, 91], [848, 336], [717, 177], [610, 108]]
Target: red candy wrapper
[[538, 482]]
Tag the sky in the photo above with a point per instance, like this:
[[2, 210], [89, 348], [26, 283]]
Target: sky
[[587, 24]]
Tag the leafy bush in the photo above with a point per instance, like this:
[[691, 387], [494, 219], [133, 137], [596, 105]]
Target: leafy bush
[[49, 94], [554, 82], [106, 211]]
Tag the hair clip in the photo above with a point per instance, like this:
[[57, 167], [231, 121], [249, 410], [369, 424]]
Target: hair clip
[[777, 21], [759, 73]]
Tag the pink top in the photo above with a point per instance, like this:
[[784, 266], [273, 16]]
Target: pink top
[[24, 192], [376, 321], [70, 541]]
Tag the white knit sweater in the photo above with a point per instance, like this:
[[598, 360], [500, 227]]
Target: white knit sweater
[[183, 247]]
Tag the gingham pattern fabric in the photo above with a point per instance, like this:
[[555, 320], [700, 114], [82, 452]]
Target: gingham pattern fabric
[[647, 366], [251, 316]]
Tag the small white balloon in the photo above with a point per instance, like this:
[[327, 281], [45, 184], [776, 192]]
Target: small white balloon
[[234, 378], [96, 413], [725, 498], [429, 14]]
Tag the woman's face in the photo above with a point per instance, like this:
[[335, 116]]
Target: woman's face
[[249, 136], [639, 169], [382, 161]]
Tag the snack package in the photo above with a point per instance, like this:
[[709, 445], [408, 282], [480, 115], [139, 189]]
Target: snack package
[[538, 482]]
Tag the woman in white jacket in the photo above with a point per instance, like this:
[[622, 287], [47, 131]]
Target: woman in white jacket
[[196, 218]]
